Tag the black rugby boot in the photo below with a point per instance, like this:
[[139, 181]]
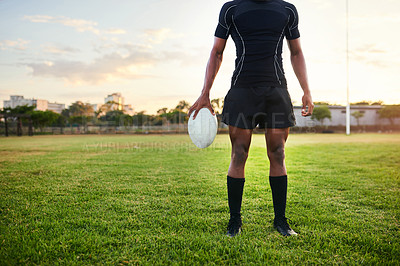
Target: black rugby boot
[[283, 227], [234, 226]]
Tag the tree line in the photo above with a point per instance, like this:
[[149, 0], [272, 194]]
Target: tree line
[[390, 112], [82, 115]]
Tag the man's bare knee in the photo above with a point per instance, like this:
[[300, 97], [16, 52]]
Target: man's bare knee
[[277, 154], [240, 153]]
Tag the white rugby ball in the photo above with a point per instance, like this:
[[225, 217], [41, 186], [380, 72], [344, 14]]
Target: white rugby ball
[[203, 129]]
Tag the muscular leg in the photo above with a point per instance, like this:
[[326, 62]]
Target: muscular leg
[[240, 139], [276, 140]]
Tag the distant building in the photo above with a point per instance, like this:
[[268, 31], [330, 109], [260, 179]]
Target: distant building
[[128, 109], [116, 100], [41, 105], [55, 107], [18, 100]]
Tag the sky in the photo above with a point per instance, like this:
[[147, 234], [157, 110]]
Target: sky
[[155, 51]]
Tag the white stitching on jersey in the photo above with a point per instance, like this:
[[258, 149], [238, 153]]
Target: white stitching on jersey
[[276, 54], [276, 60], [243, 55], [226, 13], [295, 17], [222, 26]]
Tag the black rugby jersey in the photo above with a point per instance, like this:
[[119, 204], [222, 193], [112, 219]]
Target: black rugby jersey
[[258, 29]]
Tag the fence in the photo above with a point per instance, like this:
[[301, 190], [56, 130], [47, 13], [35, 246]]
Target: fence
[[178, 129], [95, 129]]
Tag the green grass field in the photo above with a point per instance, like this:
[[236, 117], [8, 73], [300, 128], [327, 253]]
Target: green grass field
[[159, 200]]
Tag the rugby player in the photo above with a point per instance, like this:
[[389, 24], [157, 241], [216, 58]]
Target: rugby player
[[258, 94]]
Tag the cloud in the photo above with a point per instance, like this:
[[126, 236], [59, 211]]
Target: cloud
[[104, 69], [156, 36], [115, 31], [371, 49], [116, 60], [373, 55], [133, 47], [79, 25], [19, 44], [57, 49], [194, 58], [127, 62], [109, 45]]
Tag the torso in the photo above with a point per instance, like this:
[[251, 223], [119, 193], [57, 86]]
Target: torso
[[258, 29]]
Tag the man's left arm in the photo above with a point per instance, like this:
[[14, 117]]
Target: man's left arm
[[300, 69]]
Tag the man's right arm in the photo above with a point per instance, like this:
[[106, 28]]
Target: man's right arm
[[213, 66]]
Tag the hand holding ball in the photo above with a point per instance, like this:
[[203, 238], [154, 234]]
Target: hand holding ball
[[203, 129]]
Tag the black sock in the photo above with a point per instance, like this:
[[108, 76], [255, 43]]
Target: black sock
[[279, 191], [235, 193]]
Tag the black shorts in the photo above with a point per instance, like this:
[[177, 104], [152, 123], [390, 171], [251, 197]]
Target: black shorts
[[267, 107]]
